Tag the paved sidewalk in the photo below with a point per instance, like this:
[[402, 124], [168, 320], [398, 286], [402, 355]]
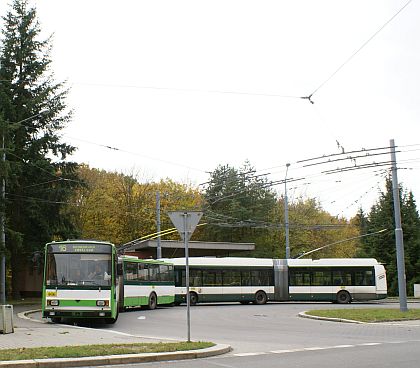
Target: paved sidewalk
[[29, 333]]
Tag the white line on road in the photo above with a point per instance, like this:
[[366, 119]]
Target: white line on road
[[249, 354], [314, 348]]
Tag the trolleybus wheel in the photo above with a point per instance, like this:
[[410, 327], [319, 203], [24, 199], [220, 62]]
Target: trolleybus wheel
[[260, 297], [193, 298], [56, 319], [152, 301], [343, 297]]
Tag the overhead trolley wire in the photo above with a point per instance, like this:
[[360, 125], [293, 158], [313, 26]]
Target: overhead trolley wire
[[356, 52]]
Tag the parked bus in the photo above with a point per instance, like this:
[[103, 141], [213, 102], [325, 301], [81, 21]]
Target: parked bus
[[260, 280], [85, 279]]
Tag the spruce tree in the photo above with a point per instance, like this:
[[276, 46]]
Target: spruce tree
[[39, 180], [382, 246]]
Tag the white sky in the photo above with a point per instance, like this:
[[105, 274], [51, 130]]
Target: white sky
[[154, 78]]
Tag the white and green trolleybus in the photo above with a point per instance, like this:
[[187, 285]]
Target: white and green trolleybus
[[260, 280], [85, 279]]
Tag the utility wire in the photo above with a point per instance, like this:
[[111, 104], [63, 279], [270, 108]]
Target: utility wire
[[136, 154], [341, 241], [356, 52], [188, 90]]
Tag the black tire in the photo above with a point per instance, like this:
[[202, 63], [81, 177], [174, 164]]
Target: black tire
[[111, 321], [193, 298], [343, 297], [56, 319], [152, 301], [260, 297]]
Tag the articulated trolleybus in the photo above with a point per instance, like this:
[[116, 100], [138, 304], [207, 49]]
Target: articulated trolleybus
[[260, 280], [86, 279]]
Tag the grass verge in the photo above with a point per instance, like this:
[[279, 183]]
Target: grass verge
[[97, 350], [368, 314]]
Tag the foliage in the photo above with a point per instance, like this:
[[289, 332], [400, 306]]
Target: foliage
[[238, 205], [311, 227], [382, 246], [118, 208], [243, 207], [38, 179]]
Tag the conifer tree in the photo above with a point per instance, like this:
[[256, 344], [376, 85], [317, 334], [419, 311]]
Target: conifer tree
[[382, 246], [33, 106]]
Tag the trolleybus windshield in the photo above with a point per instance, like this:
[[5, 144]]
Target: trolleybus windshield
[[78, 265]]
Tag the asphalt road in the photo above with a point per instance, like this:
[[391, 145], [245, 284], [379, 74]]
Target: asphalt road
[[272, 335]]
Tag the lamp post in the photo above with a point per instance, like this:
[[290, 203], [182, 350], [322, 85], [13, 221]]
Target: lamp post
[[2, 227], [286, 214]]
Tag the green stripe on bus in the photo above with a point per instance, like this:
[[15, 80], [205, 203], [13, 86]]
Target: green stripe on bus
[[166, 299], [133, 301]]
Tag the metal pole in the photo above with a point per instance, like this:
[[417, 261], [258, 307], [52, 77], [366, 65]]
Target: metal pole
[[286, 214], [402, 292], [159, 249], [2, 229], [187, 275]]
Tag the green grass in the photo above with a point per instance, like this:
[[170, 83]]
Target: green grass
[[97, 350], [368, 314]]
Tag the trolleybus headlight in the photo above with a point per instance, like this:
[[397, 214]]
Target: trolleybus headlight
[[53, 303], [102, 303]]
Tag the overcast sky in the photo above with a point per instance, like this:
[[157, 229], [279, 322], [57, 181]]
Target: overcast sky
[[183, 86]]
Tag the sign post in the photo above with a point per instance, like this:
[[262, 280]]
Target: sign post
[[186, 222]]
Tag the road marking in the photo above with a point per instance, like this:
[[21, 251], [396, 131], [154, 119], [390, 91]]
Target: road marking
[[141, 317], [342, 346], [285, 351], [249, 354], [313, 348]]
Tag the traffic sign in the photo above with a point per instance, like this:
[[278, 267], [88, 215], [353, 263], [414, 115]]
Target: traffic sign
[[185, 221]]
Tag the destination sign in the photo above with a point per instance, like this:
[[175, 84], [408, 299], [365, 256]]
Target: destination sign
[[79, 248]]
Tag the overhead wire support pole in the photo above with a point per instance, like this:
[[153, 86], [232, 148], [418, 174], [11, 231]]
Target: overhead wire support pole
[[402, 291], [159, 245], [286, 214]]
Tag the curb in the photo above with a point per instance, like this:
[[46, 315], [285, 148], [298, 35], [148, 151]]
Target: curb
[[23, 315], [304, 315], [117, 359]]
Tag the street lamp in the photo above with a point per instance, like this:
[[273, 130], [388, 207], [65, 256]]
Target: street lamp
[[286, 214]]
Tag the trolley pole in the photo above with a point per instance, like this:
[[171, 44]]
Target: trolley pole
[[402, 291]]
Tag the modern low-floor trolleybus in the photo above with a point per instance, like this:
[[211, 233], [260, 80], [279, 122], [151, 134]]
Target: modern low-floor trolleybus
[[85, 279], [260, 280]]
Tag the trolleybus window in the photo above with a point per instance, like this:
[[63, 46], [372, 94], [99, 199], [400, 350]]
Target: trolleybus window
[[143, 271], [67, 269]]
